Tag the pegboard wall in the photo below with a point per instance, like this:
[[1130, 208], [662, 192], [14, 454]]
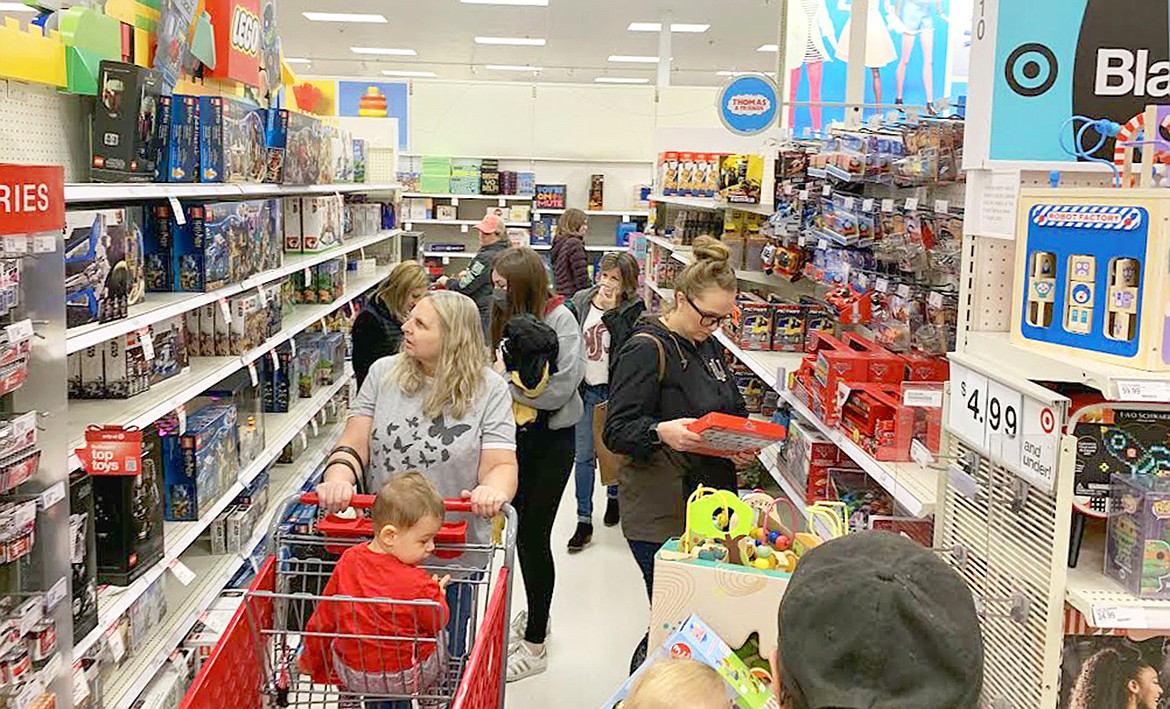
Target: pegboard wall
[[44, 126], [1012, 544]]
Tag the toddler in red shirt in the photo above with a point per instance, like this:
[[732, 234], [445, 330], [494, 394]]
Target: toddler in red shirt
[[395, 644]]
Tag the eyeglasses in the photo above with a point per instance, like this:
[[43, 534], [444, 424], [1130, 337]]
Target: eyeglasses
[[707, 319]]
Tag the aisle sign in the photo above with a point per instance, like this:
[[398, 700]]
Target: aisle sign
[[1012, 428], [32, 198], [748, 104]]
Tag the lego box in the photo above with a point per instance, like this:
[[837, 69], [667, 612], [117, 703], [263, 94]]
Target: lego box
[[308, 152], [179, 149], [200, 461], [202, 256], [96, 282], [232, 145], [129, 511], [125, 133]]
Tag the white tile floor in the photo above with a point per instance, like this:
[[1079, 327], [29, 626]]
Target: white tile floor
[[599, 613]]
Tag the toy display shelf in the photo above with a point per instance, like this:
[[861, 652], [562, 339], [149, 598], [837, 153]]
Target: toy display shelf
[[465, 223], [1115, 382], [768, 460], [455, 197], [1103, 601], [203, 373], [711, 204], [114, 601], [625, 214], [185, 604], [535, 247], [684, 255], [79, 193], [157, 307]]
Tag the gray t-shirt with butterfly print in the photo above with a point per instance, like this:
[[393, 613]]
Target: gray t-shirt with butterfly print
[[445, 449]]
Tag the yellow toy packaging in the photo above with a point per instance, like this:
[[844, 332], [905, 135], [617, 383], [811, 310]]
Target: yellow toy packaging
[[740, 178], [1091, 275]]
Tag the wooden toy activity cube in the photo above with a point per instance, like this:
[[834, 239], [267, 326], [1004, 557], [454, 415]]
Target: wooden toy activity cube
[[1091, 274]]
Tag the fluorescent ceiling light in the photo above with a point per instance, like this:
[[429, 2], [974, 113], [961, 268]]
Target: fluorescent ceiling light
[[297, 60], [388, 51], [534, 3], [619, 80], [409, 72], [674, 27], [744, 73], [15, 7], [345, 17], [513, 41], [768, 48], [512, 67], [633, 59]]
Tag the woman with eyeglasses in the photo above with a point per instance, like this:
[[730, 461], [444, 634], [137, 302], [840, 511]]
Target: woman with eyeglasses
[[670, 372]]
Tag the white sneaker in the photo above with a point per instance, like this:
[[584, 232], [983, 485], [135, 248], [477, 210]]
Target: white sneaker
[[523, 663], [519, 627]]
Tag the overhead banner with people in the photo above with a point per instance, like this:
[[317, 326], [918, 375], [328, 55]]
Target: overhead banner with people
[[915, 54], [1055, 59]]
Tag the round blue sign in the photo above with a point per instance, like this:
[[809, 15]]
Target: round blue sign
[[747, 105]]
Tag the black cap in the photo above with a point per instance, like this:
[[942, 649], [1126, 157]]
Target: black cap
[[876, 621]]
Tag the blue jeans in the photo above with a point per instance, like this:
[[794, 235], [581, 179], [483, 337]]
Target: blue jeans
[[591, 396]]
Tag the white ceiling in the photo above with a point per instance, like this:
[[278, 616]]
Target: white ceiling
[[581, 35]]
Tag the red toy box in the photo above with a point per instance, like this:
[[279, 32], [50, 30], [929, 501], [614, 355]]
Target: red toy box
[[807, 460], [876, 418]]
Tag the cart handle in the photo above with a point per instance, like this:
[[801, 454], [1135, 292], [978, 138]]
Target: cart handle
[[363, 502]]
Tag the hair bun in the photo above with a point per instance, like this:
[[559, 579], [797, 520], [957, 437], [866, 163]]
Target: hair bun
[[707, 248]]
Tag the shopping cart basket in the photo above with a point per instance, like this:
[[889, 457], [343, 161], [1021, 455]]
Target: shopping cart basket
[[254, 665]]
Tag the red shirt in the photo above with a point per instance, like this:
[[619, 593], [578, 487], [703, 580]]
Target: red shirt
[[362, 573]]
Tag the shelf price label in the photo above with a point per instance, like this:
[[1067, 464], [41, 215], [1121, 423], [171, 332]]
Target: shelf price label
[[182, 572], [1119, 617], [1013, 428]]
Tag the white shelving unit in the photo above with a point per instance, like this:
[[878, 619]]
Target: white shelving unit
[[157, 307], [487, 197], [186, 604], [768, 460], [465, 223], [204, 372], [711, 203], [82, 193], [625, 214]]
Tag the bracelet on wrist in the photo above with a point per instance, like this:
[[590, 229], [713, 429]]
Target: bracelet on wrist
[[343, 462]]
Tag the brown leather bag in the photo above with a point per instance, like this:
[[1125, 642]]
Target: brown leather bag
[[609, 462]]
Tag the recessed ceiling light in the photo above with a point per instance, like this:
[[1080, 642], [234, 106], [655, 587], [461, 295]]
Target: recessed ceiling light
[[344, 17], [768, 48], [388, 51], [512, 67], [744, 73], [633, 59], [674, 27], [409, 72], [534, 3], [619, 80], [297, 60], [513, 41], [16, 7]]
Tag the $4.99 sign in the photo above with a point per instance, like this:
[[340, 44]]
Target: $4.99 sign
[[1020, 430]]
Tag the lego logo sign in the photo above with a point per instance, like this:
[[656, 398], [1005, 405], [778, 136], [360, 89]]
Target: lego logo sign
[[245, 36], [32, 198]]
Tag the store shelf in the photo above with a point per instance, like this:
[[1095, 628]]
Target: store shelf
[[626, 214], [1103, 601], [489, 197], [664, 293], [460, 222], [535, 247], [914, 487], [212, 573], [449, 254], [113, 601], [772, 367], [535, 158], [663, 242], [204, 372], [1115, 382], [80, 193], [768, 460], [157, 307], [712, 204]]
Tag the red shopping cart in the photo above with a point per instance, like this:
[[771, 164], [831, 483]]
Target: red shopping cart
[[255, 663]]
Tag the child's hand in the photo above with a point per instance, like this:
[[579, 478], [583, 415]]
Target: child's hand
[[443, 582]]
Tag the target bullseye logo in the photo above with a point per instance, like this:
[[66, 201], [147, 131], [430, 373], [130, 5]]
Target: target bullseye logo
[[1031, 69], [1082, 294], [1047, 420]]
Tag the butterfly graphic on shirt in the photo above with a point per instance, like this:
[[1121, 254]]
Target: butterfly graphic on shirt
[[448, 435]]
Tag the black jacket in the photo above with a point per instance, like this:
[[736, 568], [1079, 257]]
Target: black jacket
[[477, 282], [376, 334], [620, 322], [656, 481]]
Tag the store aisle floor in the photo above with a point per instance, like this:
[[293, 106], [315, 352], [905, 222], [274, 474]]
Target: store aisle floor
[[599, 614]]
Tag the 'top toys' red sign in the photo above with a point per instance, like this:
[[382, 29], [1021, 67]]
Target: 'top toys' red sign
[[237, 40]]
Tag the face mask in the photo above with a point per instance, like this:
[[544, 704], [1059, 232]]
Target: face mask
[[500, 297]]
